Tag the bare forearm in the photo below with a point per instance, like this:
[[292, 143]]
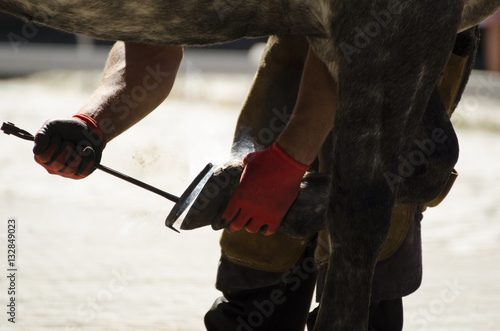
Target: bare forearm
[[313, 116], [137, 79]]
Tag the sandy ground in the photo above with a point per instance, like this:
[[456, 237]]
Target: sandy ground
[[95, 255]]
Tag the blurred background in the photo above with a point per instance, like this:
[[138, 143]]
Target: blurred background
[[95, 255], [26, 48]]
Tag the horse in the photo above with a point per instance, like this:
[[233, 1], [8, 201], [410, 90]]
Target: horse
[[386, 57]]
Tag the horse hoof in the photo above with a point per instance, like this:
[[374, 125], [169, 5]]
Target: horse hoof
[[210, 204], [307, 214], [305, 217]]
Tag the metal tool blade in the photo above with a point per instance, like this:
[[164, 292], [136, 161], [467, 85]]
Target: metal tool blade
[[208, 207], [189, 196]]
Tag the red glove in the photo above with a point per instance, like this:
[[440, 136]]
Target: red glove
[[69, 147], [269, 185]]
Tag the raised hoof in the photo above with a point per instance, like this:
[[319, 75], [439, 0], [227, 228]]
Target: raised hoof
[[305, 217], [307, 214], [210, 204]]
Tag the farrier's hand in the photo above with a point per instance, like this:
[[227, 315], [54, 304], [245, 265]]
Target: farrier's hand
[[69, 147], [269, 185]]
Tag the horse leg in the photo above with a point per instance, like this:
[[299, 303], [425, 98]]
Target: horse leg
[[387, 58]]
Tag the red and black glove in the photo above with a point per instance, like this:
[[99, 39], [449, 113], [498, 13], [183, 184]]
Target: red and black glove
[[269, 185], [70, 147]]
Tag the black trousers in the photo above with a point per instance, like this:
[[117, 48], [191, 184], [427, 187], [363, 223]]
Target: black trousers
[[275, 308], [260, 310], [284, 306]]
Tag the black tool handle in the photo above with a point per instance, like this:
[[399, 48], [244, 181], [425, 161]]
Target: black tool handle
[[10, 128], [137, 182]]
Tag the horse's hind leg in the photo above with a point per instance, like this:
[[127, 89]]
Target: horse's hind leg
[[387, 61]]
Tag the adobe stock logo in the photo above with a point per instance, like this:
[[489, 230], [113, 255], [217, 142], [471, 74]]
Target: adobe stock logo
[[96, 304], [416, 157], [293, 278], [364, 35], [30, 29], [421, 318]]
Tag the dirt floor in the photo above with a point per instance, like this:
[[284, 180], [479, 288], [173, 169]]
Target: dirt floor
[[95, 254]]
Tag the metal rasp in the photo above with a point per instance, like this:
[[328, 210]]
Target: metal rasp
[[181, 203]]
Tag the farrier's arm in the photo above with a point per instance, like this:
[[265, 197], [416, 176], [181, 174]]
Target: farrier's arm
[[313, 115], [271, 178], [137, 78]]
